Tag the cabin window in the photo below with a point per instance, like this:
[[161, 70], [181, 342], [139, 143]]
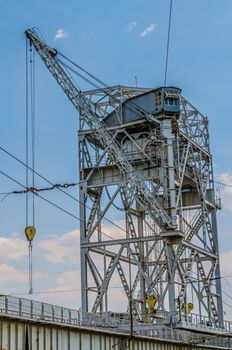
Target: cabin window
[[169, 101], [172, 101]]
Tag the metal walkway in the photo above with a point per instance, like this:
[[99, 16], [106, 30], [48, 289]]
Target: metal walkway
[[27, 324]]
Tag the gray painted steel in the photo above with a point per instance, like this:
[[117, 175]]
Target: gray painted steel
[[19, 334], [32, 325], [171, 143], [171, 153], [145, 103]]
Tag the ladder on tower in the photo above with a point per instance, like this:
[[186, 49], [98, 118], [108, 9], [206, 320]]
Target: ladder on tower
[[193, 228], [205, 282], [127, 288], [187, 275], [191, 231], [93, 211], [113, 263]]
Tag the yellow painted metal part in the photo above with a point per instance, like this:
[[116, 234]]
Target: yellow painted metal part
[[151, 300], [190, 307], [30, 232]]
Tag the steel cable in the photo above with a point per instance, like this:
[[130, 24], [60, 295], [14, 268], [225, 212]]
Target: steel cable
[[168, 44]]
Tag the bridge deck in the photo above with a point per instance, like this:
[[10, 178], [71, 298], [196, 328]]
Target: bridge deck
[[27, 324]]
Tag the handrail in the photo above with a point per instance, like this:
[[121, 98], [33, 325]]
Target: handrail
[[184, 332]]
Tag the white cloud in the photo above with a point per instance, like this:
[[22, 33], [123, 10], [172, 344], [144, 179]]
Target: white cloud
[[62, 249], [67, 291], [69, 280], [9, 274], [65, 249], [61, 34], [226, 263], [12, 248], [63, 287], [116, 230], [131, 25], [226, 192], [148, 30]]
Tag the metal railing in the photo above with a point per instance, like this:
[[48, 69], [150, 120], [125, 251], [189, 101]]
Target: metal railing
[[116, 322], [37, 310], [202, 322]]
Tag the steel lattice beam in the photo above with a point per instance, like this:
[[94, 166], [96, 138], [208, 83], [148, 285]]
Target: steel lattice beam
[[152, 170]]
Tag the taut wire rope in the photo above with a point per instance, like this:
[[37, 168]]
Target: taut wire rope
[[168, 44]]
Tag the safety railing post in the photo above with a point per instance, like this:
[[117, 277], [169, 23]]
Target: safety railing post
[[20, 306], [53, 313], [78, 317], [42, 310], [62, 314], [31, 309], [6, 304]]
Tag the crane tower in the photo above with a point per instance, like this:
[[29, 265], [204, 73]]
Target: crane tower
[[147, 203]]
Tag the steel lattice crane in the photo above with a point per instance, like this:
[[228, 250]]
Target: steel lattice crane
[[146, 150]]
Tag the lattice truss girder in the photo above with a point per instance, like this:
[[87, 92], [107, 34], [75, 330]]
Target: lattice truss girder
[[163, 174], [138, 258]]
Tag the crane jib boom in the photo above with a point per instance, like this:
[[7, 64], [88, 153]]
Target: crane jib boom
[[89, 112]]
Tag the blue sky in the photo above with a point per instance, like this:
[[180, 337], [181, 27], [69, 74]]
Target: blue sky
[[115, 40]]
